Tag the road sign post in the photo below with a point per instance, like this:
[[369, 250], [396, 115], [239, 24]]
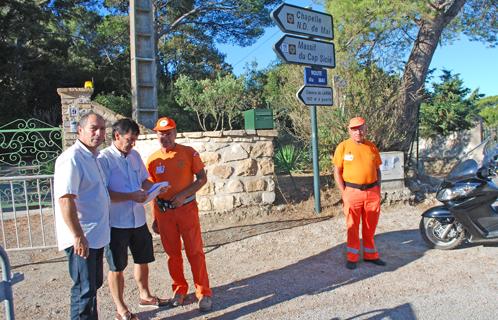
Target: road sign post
[[316, 164], [309, 52]]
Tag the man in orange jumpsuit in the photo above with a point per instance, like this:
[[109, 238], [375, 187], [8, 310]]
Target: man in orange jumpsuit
[[357, 174], [176, 216]]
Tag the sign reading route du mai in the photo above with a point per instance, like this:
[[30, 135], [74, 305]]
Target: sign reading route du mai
[[297, 20], [298, 50], [315, 76]]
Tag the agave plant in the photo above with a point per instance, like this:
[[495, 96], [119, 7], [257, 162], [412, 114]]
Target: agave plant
[[288, 158]]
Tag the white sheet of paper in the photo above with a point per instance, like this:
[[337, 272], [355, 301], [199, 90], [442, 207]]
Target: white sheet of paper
[[155, 190]]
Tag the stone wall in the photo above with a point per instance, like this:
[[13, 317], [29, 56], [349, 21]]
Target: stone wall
[[75, 102], [239, 166], [239, 163], [438, 155]]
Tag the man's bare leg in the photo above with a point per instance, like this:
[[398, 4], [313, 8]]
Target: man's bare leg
[[141, 273], [116, 286]]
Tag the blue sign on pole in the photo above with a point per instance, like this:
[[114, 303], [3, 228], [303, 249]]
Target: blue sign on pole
[[315, 76]]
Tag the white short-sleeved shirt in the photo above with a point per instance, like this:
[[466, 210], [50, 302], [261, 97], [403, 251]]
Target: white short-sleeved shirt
[[78, 172], [124, 174]]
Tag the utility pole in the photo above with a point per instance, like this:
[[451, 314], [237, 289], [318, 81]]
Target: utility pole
[[143, 63]]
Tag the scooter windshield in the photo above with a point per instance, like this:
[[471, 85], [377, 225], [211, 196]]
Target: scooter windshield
[[475, 159]]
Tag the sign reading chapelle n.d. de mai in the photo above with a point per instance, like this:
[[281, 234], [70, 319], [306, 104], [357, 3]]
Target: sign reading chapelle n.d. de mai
[[303, 21]]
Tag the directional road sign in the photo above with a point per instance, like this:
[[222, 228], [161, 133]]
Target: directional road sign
[[315, 96], [298, 50], [315, 76], [297, 20]]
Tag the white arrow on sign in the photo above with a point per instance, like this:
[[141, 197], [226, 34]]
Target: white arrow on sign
[[298, 20], [315, 96], [298, 50]]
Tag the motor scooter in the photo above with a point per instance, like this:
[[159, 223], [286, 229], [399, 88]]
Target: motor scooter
[[468, 193]]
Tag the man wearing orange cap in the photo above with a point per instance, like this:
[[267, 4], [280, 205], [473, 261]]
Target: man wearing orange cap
[[176, 216], [357, 174]]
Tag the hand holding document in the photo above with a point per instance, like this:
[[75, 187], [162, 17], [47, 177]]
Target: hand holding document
[[156, 189]]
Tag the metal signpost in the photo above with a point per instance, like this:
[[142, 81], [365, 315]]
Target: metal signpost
[[309, 52]]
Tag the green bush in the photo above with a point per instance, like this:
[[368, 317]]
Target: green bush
[[118, 104]]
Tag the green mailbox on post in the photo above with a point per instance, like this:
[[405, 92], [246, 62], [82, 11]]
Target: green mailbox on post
[[255, 119]]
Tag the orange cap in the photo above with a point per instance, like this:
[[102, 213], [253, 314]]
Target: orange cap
[[356, 122], [164, 124]]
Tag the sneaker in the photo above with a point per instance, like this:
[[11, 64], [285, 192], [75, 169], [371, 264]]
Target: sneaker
[[155, 303], [205, 304], [377, 262], [127, 316], [177, 300], [351, 265]]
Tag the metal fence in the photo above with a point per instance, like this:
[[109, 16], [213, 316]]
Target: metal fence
[[27, 212], [8, 279]]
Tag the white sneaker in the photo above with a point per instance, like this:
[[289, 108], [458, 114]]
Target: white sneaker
[[177, 300], [205, 303]]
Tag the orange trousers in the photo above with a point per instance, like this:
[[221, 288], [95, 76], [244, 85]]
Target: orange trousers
[[361, 205], [174, 226]]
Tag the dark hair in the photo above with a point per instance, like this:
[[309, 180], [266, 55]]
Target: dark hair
[[123, 126], [84, 118]]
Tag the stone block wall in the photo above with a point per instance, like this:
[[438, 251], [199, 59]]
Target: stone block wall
[[239, 166], [76, 102], [239, 163], [438, 155]]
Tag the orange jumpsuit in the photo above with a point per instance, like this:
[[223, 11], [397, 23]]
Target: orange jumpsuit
[[359, 163], [178, 166]]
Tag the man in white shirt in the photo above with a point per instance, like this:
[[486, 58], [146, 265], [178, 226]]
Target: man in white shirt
[[127, 185], [82, 214]]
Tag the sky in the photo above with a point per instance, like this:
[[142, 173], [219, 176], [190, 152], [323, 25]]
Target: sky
[[476, 63]]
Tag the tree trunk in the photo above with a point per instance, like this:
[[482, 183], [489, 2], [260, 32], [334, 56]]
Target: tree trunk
[[418, 64]]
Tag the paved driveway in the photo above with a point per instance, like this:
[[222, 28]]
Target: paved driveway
[[295, 270]]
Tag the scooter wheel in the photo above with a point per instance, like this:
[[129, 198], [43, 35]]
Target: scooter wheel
[[430, 229]]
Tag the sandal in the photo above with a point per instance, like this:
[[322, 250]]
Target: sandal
[[154, 303], [127, 316]]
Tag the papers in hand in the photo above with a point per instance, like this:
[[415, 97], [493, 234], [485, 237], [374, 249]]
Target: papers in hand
[[155, 190]]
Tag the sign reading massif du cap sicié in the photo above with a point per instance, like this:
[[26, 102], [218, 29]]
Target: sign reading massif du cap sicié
[[298, 50]]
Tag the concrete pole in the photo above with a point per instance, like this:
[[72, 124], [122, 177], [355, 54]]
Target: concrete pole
[[143, 63]]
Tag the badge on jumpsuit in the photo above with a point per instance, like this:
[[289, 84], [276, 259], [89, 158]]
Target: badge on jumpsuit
[[160, 169]]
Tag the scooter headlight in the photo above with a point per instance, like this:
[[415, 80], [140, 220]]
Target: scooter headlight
[[457, 191]]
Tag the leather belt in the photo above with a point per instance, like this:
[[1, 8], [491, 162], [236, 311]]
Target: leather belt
[[167, 204], [361, 186]]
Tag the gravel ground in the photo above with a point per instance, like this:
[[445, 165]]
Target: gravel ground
[[294, 269]]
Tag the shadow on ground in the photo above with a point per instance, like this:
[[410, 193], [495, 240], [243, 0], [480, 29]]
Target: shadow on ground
[[404, 311], [311, 276], [293, 188], [214, 239]]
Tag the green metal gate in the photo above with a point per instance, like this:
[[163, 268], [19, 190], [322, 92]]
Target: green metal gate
[[28, 149]]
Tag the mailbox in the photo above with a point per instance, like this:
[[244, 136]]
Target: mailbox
[[255, 119]]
